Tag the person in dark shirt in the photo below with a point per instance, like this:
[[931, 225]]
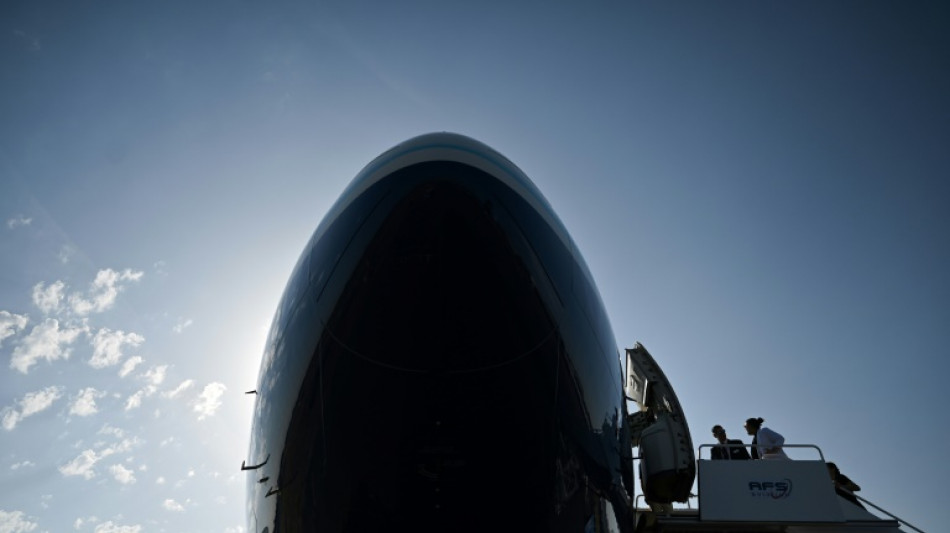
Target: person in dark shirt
[[843, 484], [730, 448]]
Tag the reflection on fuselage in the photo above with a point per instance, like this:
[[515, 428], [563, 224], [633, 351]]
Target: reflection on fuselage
[[440, 361]]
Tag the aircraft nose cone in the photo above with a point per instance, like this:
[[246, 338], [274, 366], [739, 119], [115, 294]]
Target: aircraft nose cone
[[441, 288]]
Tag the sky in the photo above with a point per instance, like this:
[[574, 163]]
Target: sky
[[759, 188]]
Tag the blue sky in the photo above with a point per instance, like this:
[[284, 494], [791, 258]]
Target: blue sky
[[759, 189]]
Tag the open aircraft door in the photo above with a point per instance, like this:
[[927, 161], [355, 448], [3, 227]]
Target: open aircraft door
[[659, 429]]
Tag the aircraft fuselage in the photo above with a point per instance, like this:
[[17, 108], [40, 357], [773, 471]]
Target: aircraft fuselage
[[440, 361]]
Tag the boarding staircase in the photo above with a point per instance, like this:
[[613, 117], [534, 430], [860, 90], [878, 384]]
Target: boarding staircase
[[780, 496], [735, 496]]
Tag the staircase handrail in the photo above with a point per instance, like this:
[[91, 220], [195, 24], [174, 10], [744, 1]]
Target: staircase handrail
[[879, 508], [815, 446]]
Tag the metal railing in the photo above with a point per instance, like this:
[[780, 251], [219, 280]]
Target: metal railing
[[888, 513], [813, 446]]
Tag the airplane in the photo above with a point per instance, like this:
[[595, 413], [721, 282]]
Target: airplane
[[441, 360]]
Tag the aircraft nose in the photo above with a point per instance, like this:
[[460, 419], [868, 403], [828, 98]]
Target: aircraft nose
[[440, 288]]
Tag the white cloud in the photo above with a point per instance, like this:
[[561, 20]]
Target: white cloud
[[172, 505], [182, 325], [185, 385], [160, 480], [109, 527], [129, 365], [22, 464], [9, 418], [82, 464], [209, 400], [123, 446], [30, 404], [122, 474], [17, 221], [108, 345], [13, 522], [45, 341], [34, 402], [156, 375], [135, 401], [85, 402], [49, 299], [92, 519], [10, 324], [111, 430], [103, 292]]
